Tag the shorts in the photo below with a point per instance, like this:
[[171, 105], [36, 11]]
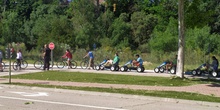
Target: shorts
[[69, 59]]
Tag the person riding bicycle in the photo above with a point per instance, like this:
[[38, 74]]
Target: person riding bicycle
[[138, 61], [68, 55], [91, 58], [19, 58]]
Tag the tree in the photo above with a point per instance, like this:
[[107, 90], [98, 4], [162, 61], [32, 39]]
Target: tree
[[83, 20], [142, 27], [180, 58]]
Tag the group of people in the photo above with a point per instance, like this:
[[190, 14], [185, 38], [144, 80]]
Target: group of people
[[18, 58], [137, 62], [68, 55]]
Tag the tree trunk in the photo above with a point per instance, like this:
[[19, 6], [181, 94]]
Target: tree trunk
[[181, 45]]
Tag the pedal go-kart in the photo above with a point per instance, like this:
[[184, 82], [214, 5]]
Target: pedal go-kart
[[101, 66], [161, 68], [128, 66], [202, 69]]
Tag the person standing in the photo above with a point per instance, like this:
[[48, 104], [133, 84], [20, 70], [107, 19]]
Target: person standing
[[91, 58], [47, 52], [1, 57]]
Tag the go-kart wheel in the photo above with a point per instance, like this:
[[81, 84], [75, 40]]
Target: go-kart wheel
[[139, 69], [122, 68], [194, 72], [112, 68], [126, 68], [215, 74], [156, 70], [173, 71], [97, 68], [102, 67], [117, 68], [199, 72], [142, 69], [161, 69]]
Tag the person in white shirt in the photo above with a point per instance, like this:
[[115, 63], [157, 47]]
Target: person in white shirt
[[19, 58]]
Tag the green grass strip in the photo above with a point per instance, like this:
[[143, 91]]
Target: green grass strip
[[111, 78]]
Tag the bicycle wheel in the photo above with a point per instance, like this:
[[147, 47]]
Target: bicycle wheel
[[73, 64], [3, 65], [51, 64], [84, 64], [38, 64], [60, 64], [15, 65], [24, 64]]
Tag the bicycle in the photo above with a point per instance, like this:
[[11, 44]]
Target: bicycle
[[38, 64], [63, 63], [85, 63], [23, 65]]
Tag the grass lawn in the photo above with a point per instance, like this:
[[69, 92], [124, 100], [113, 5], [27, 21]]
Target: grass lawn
[[111, 78]]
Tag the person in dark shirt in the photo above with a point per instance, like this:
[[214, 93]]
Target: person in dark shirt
[[47, 52], [214, 64]]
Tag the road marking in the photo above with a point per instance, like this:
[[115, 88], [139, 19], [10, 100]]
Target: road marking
[[35, 94], [62, 103]]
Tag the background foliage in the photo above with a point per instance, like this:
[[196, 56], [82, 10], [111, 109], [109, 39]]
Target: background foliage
[[147, 27]]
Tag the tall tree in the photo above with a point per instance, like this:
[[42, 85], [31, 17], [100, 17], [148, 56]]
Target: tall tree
[[180, 58]]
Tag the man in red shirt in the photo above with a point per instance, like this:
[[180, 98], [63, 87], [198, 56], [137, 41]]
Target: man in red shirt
[[68, 55]]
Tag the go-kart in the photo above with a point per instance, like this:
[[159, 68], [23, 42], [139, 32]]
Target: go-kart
[[128, 66], [101, 66], [203, 69], [161, 68]]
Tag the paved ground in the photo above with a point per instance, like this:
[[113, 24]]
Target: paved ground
[[207, 89]]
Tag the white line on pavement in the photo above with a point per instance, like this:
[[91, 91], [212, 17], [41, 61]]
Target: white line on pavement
[[61, 103]]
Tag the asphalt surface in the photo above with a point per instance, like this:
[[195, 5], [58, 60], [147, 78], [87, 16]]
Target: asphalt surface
[[35, 98]]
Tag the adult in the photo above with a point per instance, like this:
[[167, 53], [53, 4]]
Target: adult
[[214, 64], [47, 52]]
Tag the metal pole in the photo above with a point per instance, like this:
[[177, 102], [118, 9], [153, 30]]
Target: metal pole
[[52, 58], [9, 64]]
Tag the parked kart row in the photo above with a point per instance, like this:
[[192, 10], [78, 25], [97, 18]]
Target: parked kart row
[[195, 72], [126, 67]]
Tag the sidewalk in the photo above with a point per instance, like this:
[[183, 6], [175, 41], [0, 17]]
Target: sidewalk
[[206, 89]]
